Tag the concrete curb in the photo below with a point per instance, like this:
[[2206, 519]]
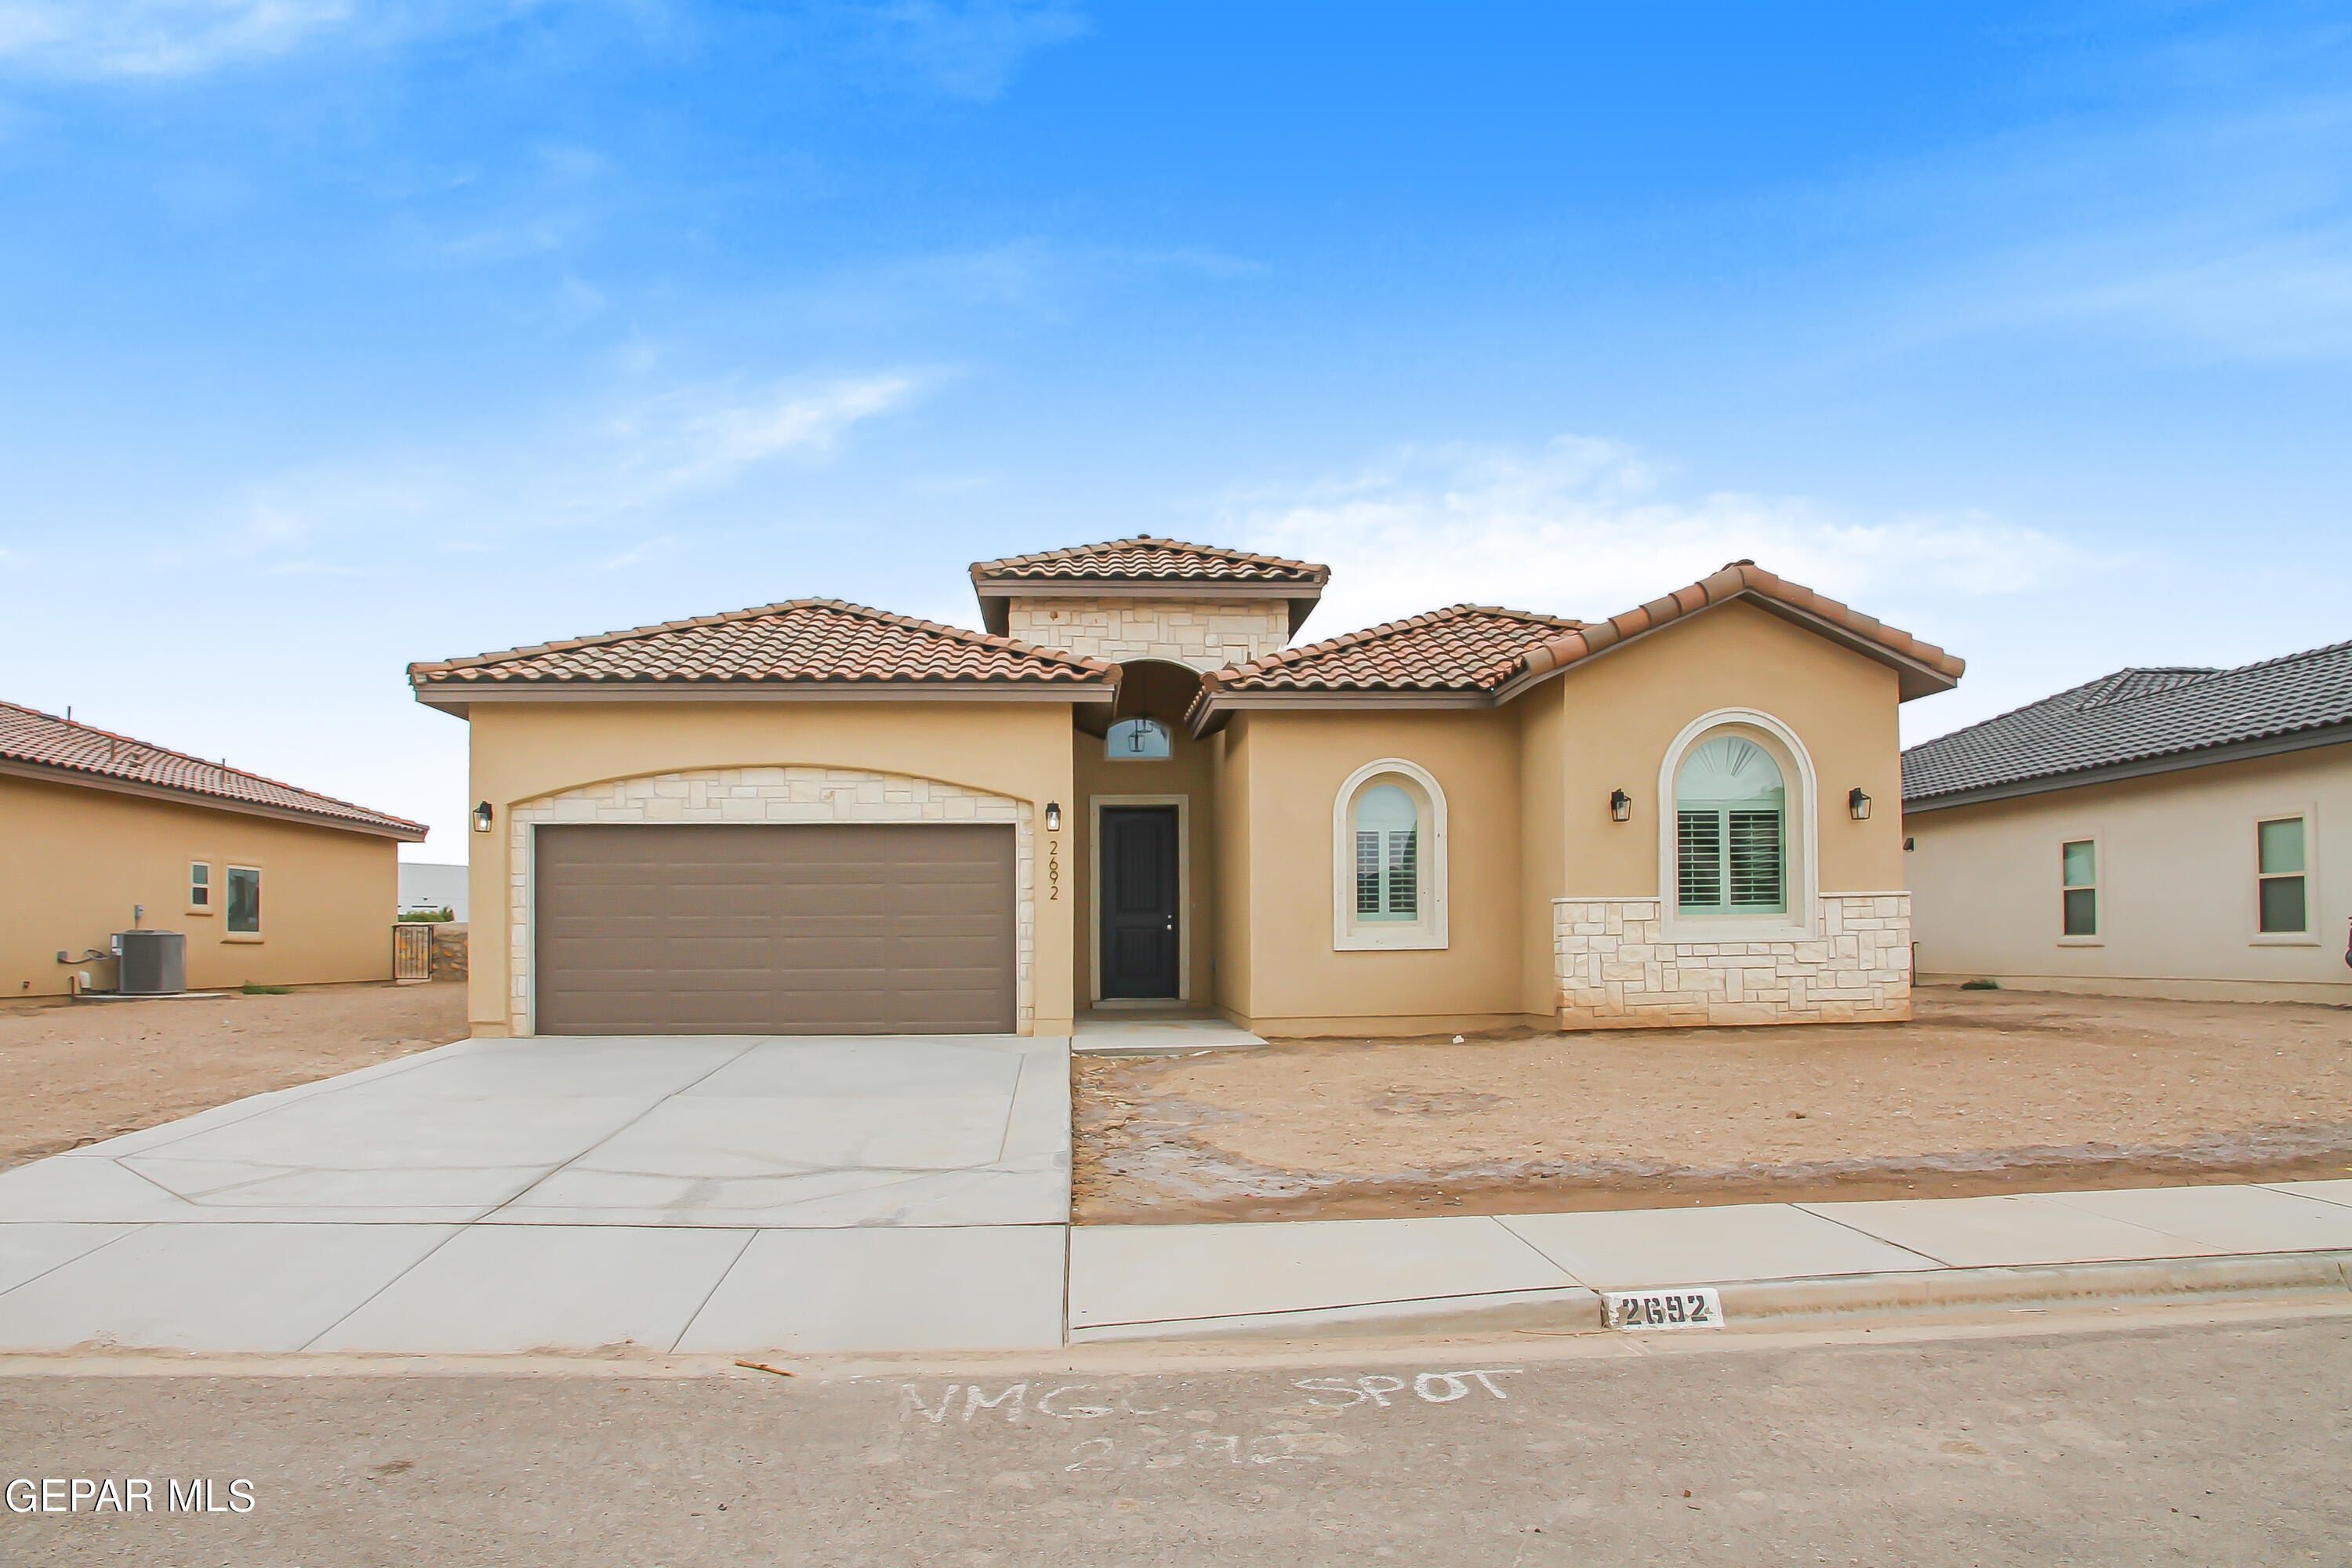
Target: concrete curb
[[1963, 1289], [1911, 1294]]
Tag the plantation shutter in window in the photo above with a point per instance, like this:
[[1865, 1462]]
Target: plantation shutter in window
[[1755, 857], [1699, 859], [1388, 855]]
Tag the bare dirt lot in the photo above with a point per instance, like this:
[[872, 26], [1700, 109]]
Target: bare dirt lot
[[76, 1073], [1984, 1091]]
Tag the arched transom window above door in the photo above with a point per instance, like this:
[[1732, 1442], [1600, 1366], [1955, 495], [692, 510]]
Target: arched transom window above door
[[1388, 859], [1136, 740], [1731, 851]]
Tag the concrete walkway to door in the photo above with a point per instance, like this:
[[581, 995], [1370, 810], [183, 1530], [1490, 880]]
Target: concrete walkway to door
[[689, 1193]]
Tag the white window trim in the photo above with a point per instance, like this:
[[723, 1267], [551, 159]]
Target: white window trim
[[2309, 936], [1801, 823], [1348, 933], [214, 886], [1184, 804], [2098, 886]]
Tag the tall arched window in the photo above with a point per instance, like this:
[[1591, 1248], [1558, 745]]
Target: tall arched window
[[1388, 859], [1731, 829]]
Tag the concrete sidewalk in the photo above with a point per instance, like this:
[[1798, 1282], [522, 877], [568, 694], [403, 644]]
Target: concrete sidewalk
[[1308, 1277]]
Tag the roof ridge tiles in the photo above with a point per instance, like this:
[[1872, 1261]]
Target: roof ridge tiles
[[965, 635], [1010, 566]]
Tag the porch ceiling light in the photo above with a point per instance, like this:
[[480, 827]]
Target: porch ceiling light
[[1620, 807], [1857, 805], [482, 817], [1053, 816]]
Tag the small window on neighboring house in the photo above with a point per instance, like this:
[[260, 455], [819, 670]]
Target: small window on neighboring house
[[200, 885], [2279, 875], [1136, 740], [1388, 855], [2079, 865], [244, 900], [1730, 855]]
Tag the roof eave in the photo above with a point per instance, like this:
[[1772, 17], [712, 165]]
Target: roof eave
[[1914, 677], [57, 773], [2332, 734], [456, 697], [1214, 706]]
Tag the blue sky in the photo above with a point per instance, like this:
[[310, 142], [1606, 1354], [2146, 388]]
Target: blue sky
[[341, 333]]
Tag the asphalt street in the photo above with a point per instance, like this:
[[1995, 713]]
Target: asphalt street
[[2209, 1444]]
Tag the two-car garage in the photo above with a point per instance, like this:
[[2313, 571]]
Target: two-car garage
[[792, 929]]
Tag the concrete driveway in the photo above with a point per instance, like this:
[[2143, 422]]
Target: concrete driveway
[[698, 1193]]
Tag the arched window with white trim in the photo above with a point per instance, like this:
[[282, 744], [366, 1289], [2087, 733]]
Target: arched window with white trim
[[1388, 856], [1731, 829]]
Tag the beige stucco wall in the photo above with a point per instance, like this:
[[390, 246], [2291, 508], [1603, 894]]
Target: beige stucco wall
[[1205, 634], [1293, 983], [524, 752], [1623, 709], [1188, 773], [78, 858], [2176, 915]]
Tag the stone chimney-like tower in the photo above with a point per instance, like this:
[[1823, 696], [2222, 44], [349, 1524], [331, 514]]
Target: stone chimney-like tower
[[1146, 598]]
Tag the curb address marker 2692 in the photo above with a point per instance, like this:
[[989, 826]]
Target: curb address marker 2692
[[1692, 1308]]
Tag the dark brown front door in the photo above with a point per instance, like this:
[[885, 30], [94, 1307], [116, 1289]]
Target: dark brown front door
[[1139, 904], [822, 929]]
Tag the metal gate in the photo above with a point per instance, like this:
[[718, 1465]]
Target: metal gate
[[411, 951]]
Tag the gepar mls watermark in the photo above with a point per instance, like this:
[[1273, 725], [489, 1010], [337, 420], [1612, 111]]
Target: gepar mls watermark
[[128, 1494]]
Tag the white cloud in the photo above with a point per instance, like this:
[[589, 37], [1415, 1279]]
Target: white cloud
[[1584, 528], [703, 436], [967, 48], [158, 37]]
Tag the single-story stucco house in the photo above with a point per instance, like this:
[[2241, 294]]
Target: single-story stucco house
[[1132, 792], [271, 884], [2167, 832]]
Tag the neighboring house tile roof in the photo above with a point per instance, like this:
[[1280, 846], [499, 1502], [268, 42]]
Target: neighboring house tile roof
[[801, 642], [1463, 647], [1473, 651], [2139, 718], [44, 745], [1143, 558]]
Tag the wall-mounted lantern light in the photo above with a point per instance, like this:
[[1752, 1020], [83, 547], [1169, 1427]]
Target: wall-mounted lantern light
[[482, 817], [1053, 816], [1620, 807], [1857, 805]]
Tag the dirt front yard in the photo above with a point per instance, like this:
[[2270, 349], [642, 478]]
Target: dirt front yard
[[1985, 1091], [75, 1073]]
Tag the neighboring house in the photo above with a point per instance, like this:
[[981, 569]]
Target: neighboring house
[[812, 817], [425, 886], [2183, 833], [271, 884]]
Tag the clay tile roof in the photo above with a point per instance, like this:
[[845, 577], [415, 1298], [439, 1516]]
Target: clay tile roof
[[1145, 559], [1924, 667], [800, 641], [2136, 716], [39, 742], [1463, 647]]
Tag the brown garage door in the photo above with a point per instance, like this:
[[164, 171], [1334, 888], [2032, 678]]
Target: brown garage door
[[826, 928]]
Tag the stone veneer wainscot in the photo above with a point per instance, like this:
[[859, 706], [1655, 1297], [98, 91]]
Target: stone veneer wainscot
[[1617, 969], [769, 794]]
